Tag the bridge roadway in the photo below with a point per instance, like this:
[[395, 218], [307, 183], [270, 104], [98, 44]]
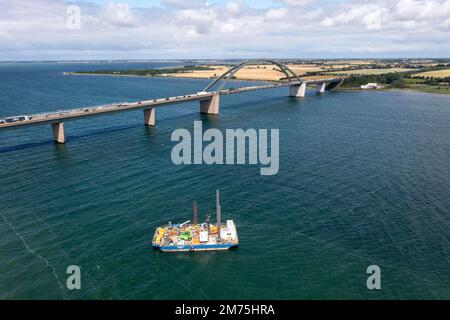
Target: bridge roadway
[[56, 116], [209, 103]]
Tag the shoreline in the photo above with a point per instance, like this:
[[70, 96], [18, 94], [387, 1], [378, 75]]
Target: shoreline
[[160, 76], [156, 76], [203, 78], [392, 89], [106, 75]]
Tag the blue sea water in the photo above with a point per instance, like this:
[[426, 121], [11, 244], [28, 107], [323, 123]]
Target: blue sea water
[[364, 180]]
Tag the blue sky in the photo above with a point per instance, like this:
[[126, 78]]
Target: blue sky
[[158, 29]]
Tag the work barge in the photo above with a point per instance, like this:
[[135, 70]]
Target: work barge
[[190, 237]]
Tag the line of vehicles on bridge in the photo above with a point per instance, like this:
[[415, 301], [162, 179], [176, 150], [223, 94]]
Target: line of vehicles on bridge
[[58, 112], [113, 106], [92, 108]]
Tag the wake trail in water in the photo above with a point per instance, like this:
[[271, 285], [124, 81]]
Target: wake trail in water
[[33, 252], [51, 231]]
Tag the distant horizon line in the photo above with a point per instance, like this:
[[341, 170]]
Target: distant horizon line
[[214, 59]]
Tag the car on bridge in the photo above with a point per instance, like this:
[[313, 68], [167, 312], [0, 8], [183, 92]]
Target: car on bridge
[[12, 119], [16, 119]]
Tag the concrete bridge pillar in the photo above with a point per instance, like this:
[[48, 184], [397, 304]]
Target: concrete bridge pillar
[[58, 132], [210, 105], [149, 117], [321, 87], [297, 90]]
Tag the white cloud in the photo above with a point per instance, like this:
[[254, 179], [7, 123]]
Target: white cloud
[[350, 16], [119, 14], [235, 7], [183, 4], [376, 19], [202, 20], [422, 10], [297, 3], [276, 14], [328, 22], [5, 35], [231, 27], [411, 15], [182, 28]]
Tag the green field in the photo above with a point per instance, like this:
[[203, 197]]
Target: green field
[[430, 89], [371, 71]]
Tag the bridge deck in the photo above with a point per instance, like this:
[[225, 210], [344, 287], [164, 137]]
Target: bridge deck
[[65, 115]]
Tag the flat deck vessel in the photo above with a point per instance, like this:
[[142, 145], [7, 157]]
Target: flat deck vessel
[[188, 237]]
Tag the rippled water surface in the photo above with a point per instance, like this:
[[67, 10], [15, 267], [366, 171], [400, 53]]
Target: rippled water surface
[[364, 179]]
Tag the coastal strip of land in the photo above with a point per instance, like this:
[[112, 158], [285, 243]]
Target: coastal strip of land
[[417, 75]]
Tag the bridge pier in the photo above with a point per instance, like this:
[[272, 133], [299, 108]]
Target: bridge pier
[[297, 90], [149, 117], [321, 87], [210, 105], [58, 132]]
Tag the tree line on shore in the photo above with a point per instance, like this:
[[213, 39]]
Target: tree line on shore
[[147, 72]]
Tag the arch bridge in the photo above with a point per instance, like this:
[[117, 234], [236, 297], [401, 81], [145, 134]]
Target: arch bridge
[[209, 99]]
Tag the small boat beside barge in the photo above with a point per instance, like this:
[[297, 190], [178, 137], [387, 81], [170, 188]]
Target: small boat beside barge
[[187, 237]]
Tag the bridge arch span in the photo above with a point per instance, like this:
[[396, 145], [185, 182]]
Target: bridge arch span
[[230, 73]]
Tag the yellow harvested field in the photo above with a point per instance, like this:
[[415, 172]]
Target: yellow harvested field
[[203, 74], [436, 74], [260, 73], [300, 65], [268, 73], [302, 69], [360, 62], [252, 72], [372, 71]]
